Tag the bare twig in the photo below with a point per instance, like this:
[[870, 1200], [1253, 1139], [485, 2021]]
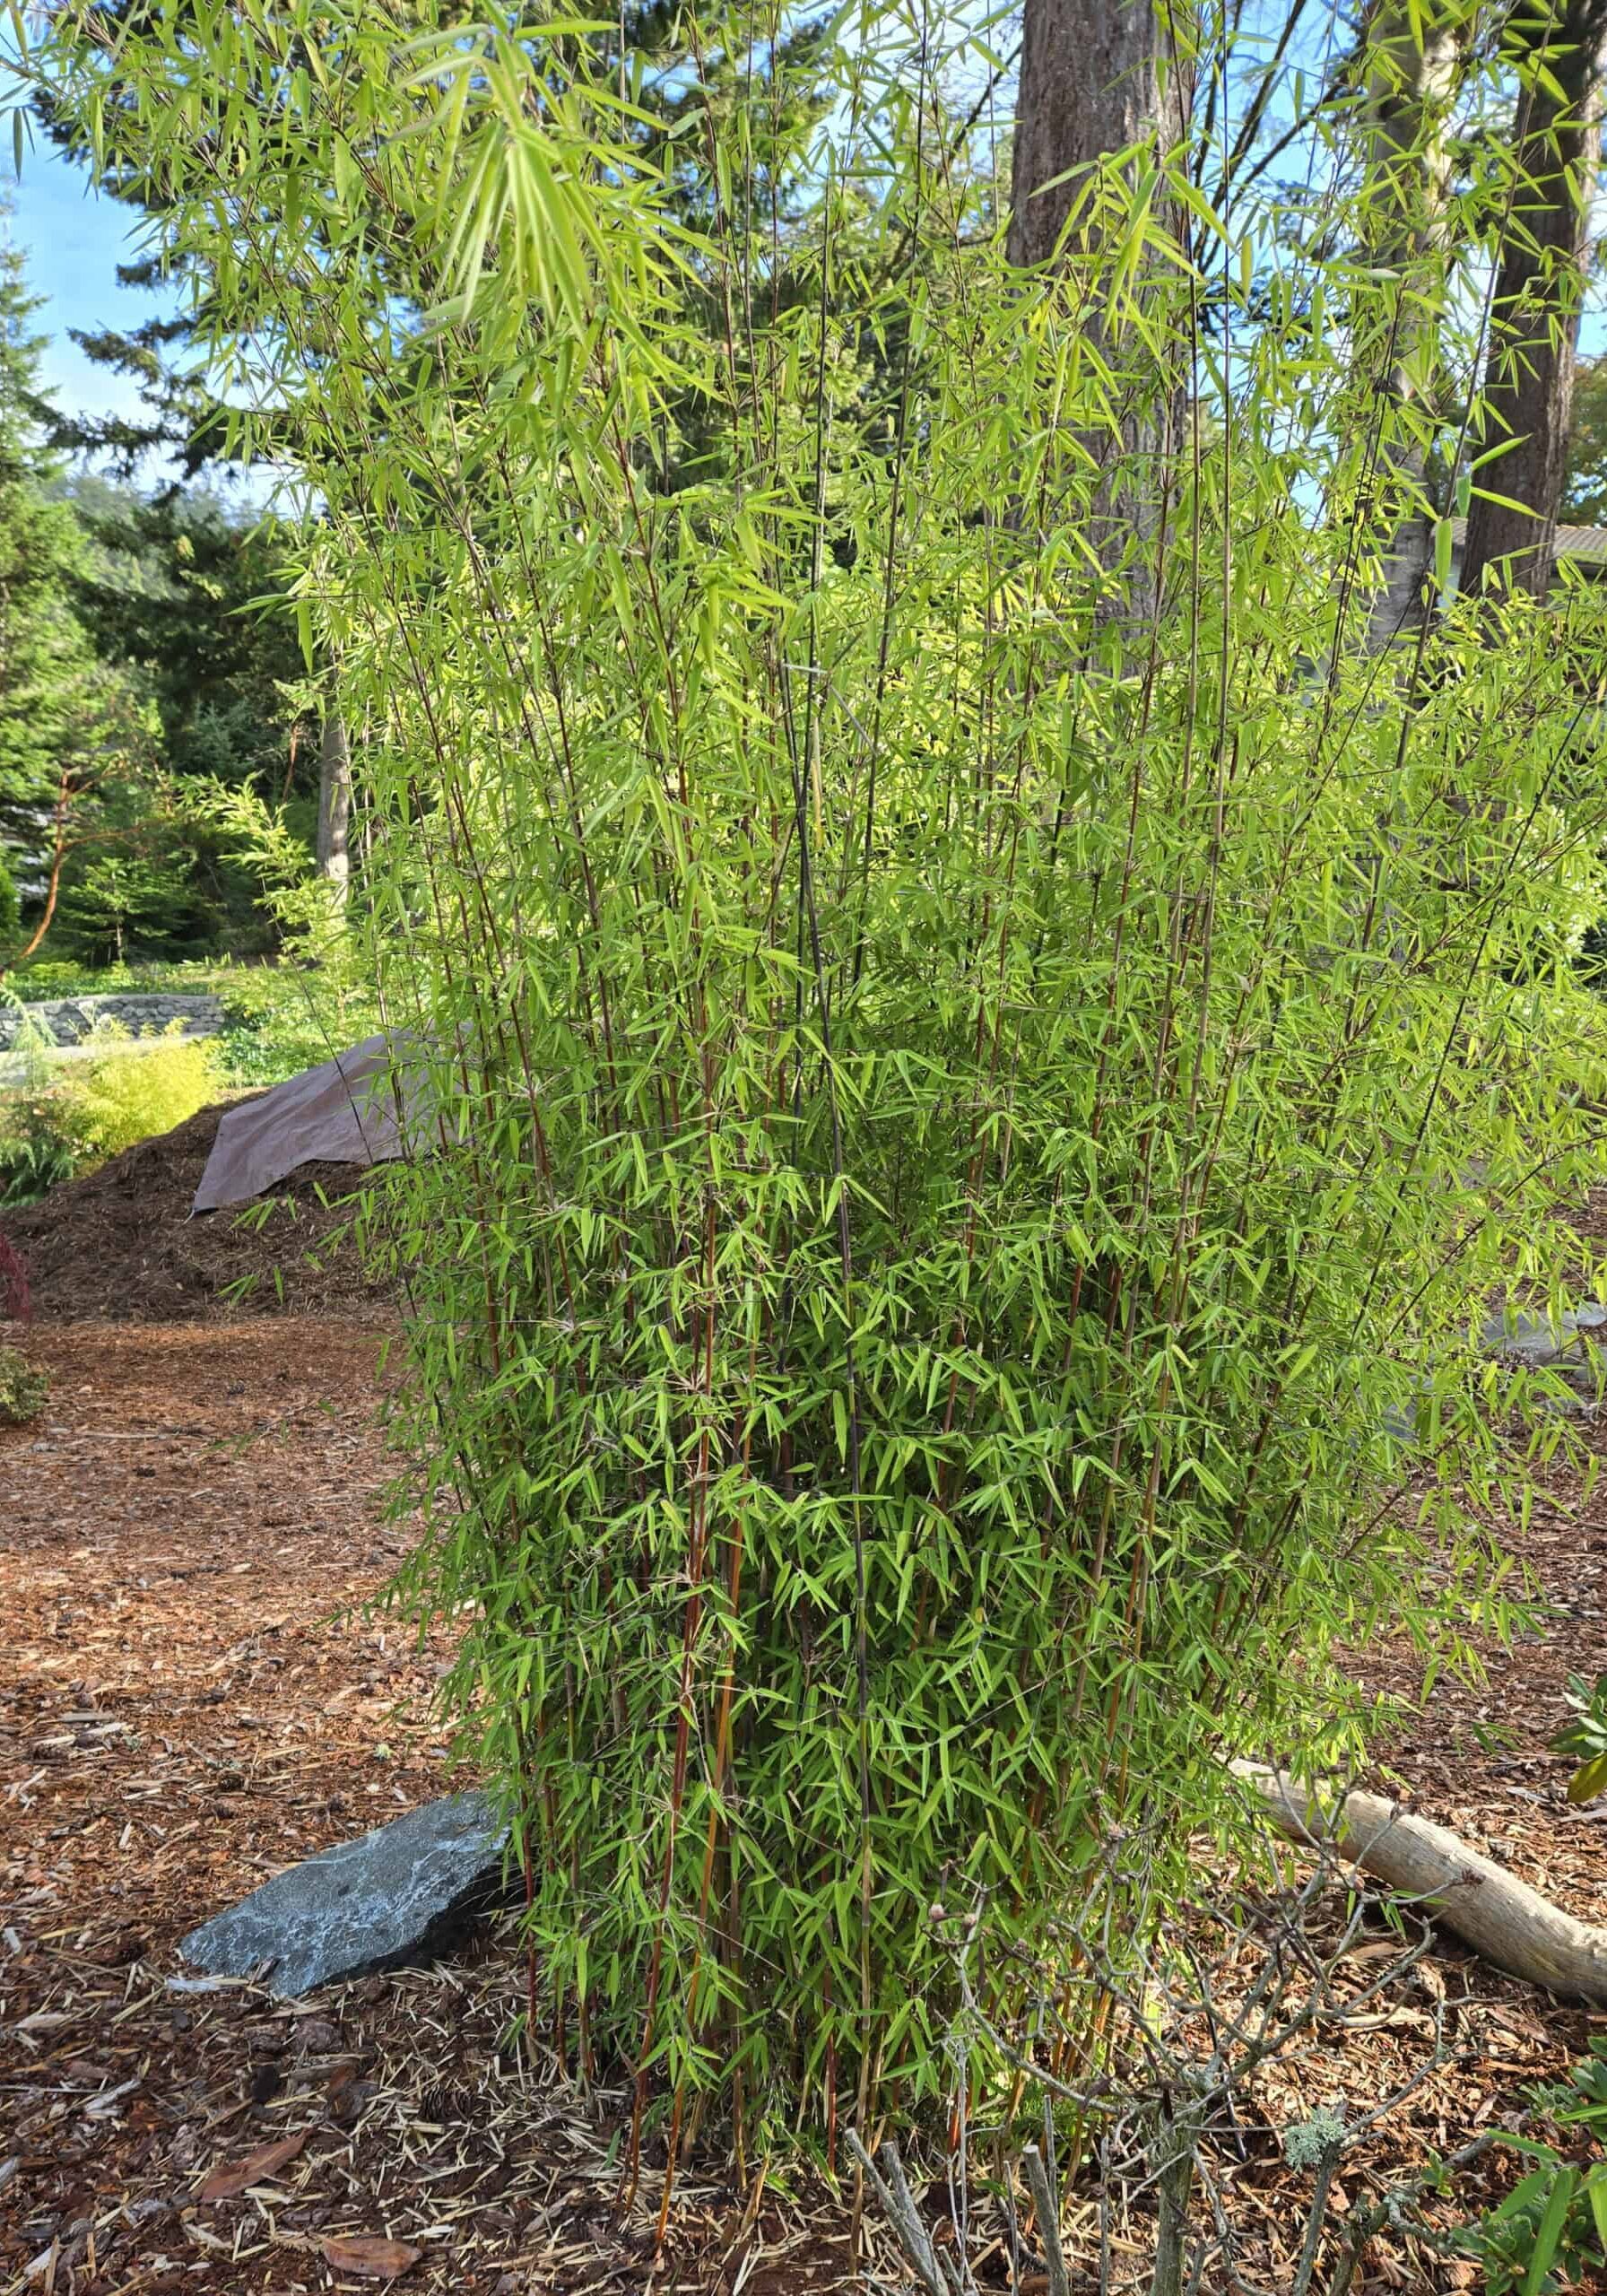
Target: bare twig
[[891, 2189], [1048, 2220]]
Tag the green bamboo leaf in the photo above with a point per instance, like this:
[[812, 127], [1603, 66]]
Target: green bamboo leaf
[[1595, 2192], [1549, 2232], [1589, 1780], [1442, 556]]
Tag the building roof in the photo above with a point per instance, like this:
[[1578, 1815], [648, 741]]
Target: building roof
[[1582, 542], [1572, 542]]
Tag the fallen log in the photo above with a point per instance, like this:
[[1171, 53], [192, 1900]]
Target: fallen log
[[1502, 1919]]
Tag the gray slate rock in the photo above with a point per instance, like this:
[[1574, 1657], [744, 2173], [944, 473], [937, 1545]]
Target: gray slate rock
[[398, 1894], [1399, 1421], [1534, 1339]]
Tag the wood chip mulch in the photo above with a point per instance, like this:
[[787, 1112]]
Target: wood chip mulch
[[191, 1698], [189, 1701]]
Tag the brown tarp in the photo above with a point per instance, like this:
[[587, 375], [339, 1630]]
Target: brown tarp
[[362, 1108]]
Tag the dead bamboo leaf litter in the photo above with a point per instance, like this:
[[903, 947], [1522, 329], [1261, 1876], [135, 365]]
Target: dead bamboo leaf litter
[[191, 1700]]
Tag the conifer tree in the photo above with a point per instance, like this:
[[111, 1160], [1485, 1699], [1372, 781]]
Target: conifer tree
[[65, 717]]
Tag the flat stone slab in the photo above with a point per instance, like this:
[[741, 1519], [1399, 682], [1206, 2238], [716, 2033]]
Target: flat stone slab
[[396, 1895]]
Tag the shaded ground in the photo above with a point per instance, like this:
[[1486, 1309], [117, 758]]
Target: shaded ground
[[189, 1700], [119, 1244]]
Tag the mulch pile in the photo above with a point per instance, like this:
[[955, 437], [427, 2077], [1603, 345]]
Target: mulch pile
[[119, 1244]]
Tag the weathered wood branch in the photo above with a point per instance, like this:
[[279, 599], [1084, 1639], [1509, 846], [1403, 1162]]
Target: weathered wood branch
[[935, 2273], [1503, 1920], [1046, 2204], [59, 854]]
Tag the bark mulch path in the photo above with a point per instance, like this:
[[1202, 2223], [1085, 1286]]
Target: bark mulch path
[[191, 1698], [188, 1701]]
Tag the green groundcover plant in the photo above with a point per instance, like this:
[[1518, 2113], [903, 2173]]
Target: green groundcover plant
[[23, 1387], [989, 1057], [1551, 2231]]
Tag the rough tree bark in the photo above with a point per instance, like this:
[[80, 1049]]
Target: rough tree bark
[[1100, 76], [335, 806], [1413, 60], [1096, 75], [1502, 1919], [1534, 317]]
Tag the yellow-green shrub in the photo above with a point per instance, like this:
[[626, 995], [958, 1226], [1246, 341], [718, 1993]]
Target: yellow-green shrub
[[23, 1387], [130, 1091]]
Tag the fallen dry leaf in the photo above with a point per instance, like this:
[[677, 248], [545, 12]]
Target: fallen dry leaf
[[234, 2176], [379, 2259], [341, 2095]]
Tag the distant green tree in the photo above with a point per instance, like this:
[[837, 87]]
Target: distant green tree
[[42, 649], [128, 659], [184, 584], [1585, 489], [181, 587], [116, 894], [67, 719]]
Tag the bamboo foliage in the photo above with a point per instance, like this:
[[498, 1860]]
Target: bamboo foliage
[[963, 1132]]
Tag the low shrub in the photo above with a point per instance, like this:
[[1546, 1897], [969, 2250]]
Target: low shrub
[[128, 1093], [60, 1120], [44, 977], [23, 1387], [42, 1135], [281, 1019], [30, 1163]]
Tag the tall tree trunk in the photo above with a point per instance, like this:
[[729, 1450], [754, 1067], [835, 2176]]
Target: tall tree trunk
[[335, 806], [1096, 75], [1100, 76], [1413, 60], [1534, 317]]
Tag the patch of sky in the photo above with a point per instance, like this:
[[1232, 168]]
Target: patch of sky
[[74, 241], [74, 238]]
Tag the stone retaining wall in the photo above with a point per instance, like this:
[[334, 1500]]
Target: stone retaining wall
[[70, 1019]]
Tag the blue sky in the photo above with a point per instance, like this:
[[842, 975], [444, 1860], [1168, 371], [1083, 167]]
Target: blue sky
[[74, 240]]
